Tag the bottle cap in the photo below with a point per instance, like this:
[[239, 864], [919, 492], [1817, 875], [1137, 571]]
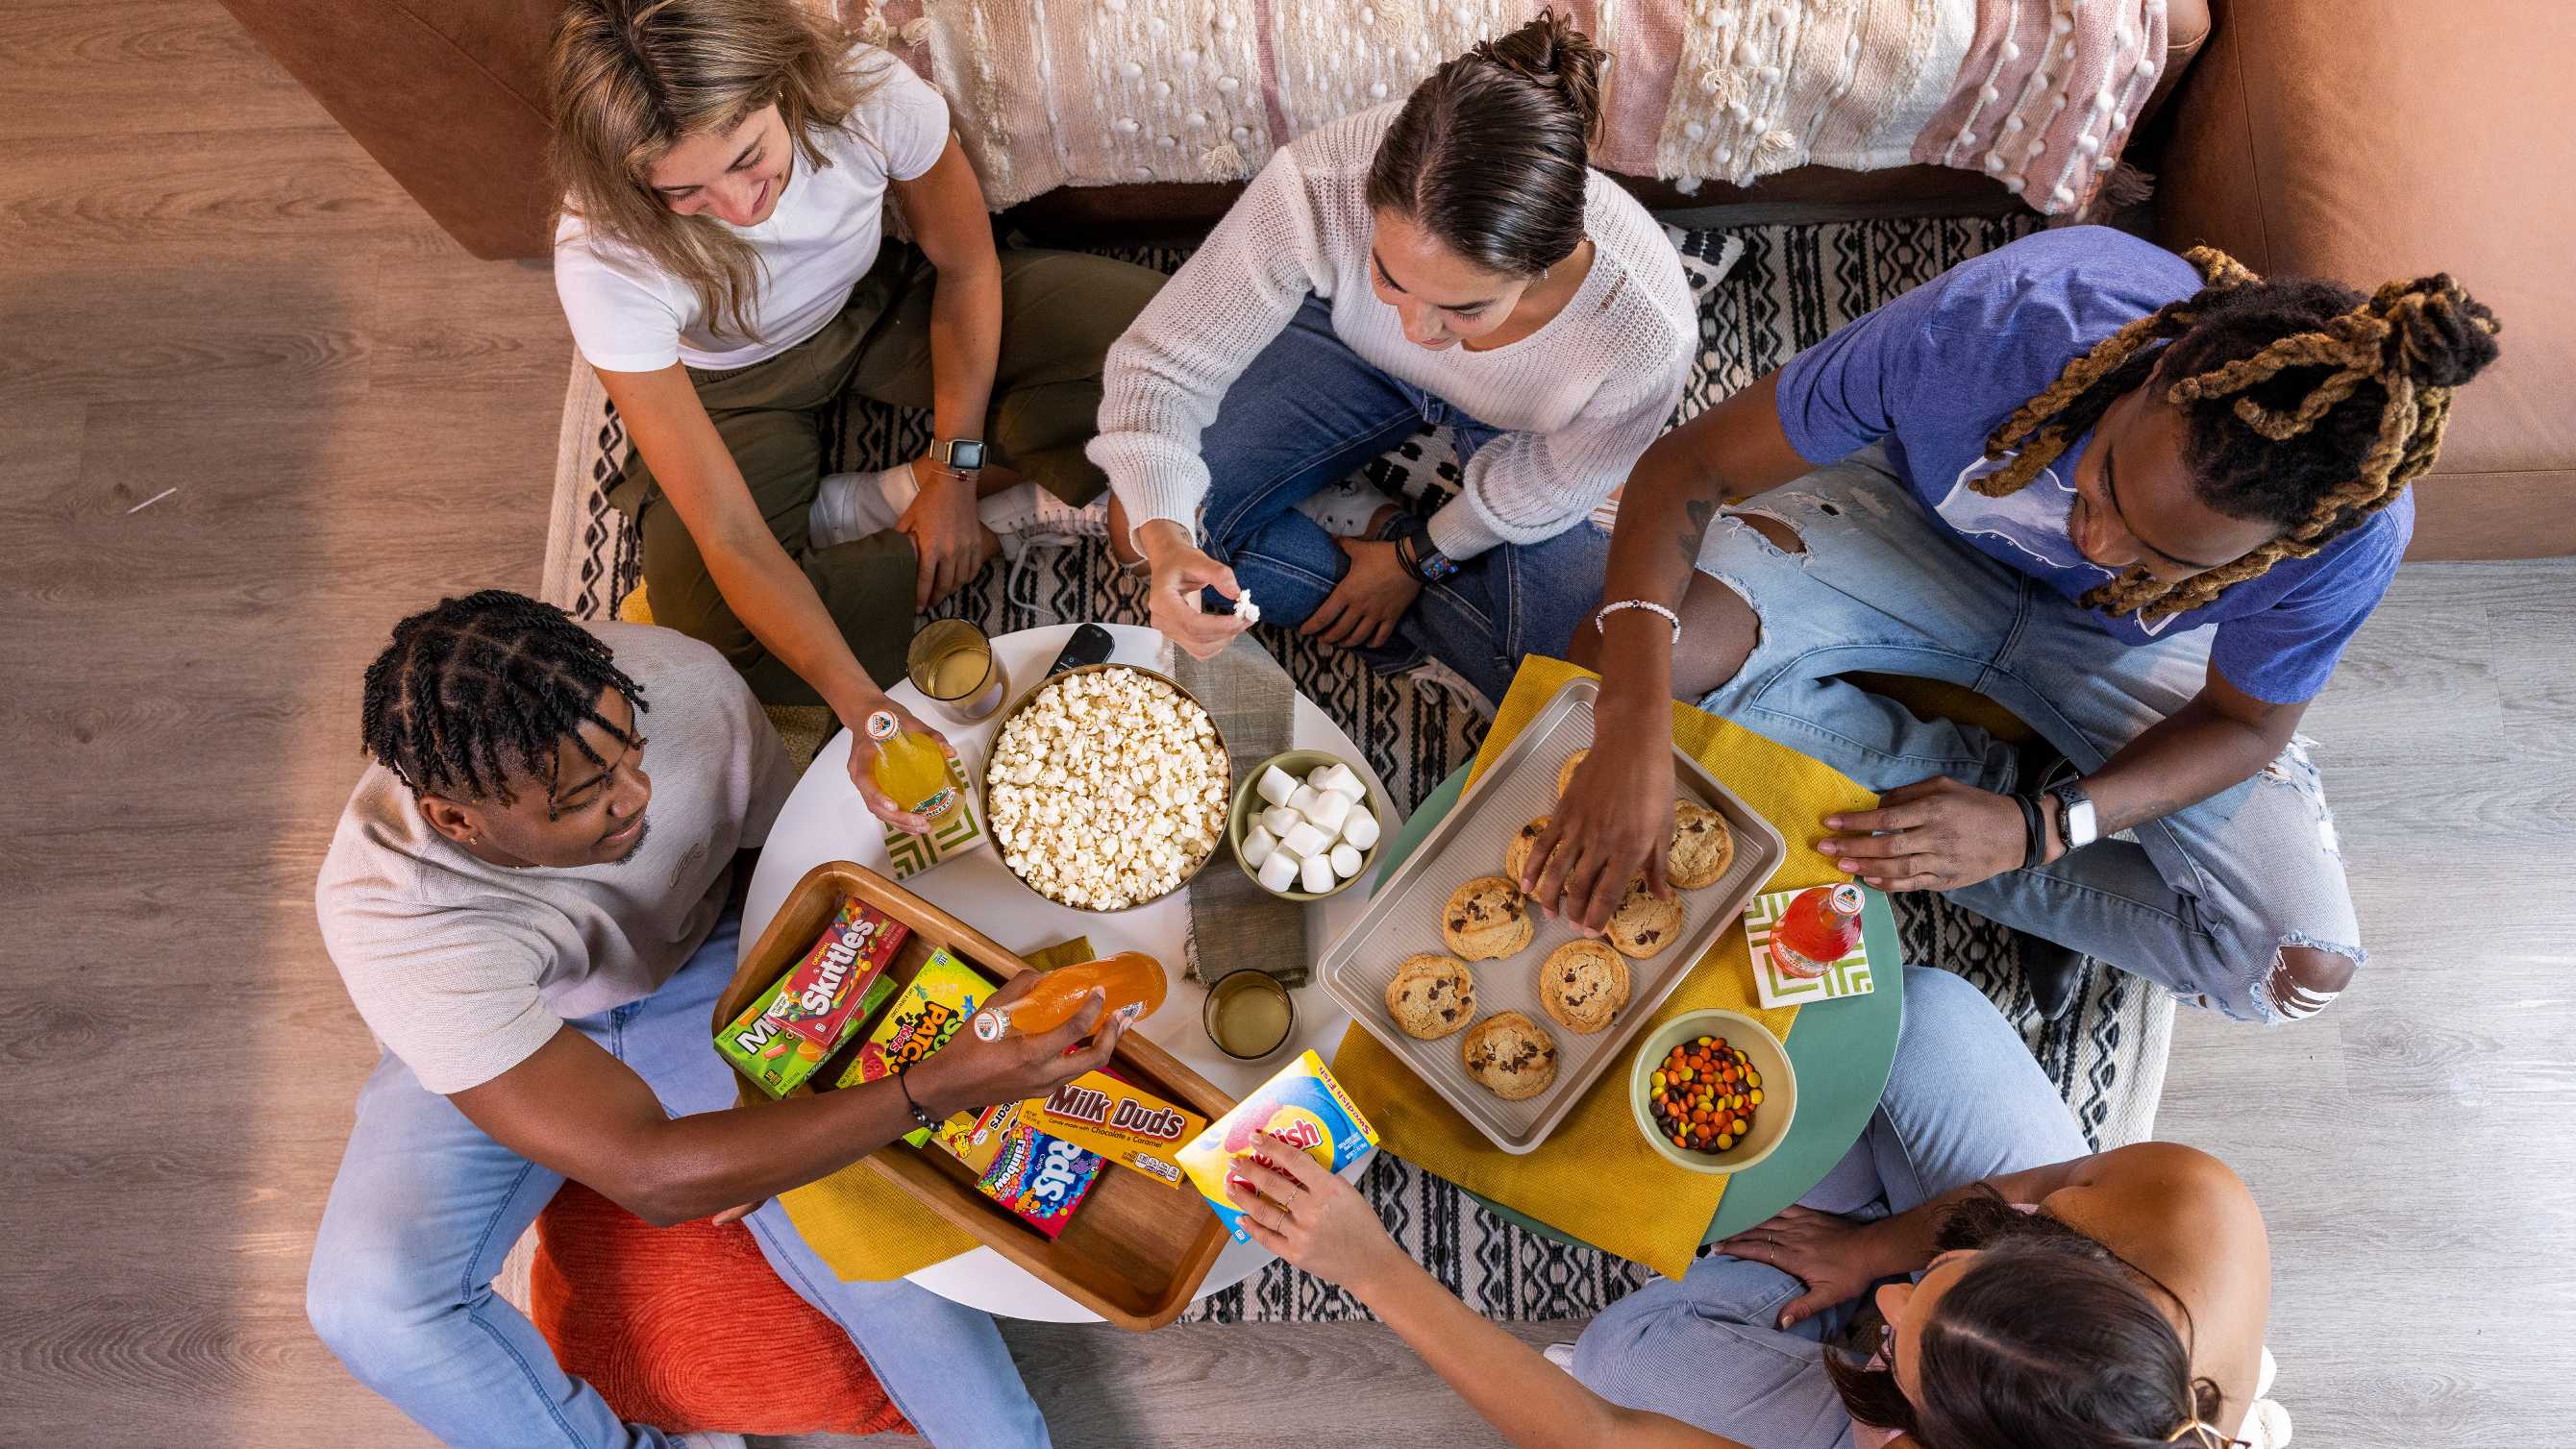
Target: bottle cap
[[1845, 900], [881, 725], [992, 1023]]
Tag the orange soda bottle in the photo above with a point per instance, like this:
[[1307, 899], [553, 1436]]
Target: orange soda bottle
[[1820, 926], [912, 768], [1131, 983]]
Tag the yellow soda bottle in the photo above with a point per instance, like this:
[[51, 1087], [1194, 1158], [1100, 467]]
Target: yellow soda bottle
[[912, 768]]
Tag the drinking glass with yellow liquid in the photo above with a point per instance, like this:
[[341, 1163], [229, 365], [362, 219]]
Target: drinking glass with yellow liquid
[[954, 666], [912, 769]]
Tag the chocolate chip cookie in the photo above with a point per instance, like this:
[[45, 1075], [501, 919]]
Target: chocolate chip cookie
[[1510, 1056], [1643, 924], [1702, 847], [1583, 984], [1431, 996], [1486, 919]]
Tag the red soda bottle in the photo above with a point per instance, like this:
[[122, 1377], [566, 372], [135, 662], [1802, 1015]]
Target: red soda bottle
[[1819, 928]]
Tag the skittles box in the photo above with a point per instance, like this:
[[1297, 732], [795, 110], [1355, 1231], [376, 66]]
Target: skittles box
[[1302, 1104], [940, 999], [793, 1027]]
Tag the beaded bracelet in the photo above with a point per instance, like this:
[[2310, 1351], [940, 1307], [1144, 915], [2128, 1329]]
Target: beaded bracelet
[[1650, 607], [918, 1115]]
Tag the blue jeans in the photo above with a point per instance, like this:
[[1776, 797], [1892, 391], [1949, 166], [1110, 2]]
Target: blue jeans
[[2201, 901], [1964, 1102], [1308, 413], [426, 1207]]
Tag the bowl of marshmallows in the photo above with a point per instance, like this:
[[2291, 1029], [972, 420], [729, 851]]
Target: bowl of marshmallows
[[1303, 825]]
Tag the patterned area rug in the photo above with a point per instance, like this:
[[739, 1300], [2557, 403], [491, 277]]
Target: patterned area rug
[[1764, 292]]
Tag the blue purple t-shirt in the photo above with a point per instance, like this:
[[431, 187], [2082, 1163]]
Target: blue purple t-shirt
[[1934, 373]]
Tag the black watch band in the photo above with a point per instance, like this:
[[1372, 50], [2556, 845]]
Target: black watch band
[[1416, 553]]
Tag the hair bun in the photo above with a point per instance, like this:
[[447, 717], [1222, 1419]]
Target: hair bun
[[2439, 334], [1551, 52]]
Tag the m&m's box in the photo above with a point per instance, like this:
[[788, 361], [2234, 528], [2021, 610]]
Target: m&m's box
[[1302, 1105]]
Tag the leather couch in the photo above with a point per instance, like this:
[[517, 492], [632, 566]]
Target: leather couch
[[2361, 139]]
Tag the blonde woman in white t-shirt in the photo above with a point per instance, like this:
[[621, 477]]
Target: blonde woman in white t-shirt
[[726, 164], [1451, 260]]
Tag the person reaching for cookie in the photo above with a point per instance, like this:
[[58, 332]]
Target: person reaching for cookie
[[2139, 500]]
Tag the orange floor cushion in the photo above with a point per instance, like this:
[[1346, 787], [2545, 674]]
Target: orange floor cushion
[[686, 1328]]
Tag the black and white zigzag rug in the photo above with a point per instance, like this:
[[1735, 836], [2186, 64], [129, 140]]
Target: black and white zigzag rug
[[1765, 292]]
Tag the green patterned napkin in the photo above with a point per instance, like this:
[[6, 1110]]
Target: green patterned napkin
[[910, 855], [1846, 977]]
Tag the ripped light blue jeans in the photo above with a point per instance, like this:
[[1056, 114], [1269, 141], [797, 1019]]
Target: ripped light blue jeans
[[2201, 901]]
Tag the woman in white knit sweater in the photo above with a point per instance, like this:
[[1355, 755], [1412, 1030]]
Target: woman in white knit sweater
[[1450, 260]]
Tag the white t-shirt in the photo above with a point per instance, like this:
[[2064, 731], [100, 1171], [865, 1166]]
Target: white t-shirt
[[463, 968], [629, 315]]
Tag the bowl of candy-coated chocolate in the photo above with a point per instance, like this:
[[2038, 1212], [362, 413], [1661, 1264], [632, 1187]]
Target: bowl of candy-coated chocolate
[[1713, 1090]]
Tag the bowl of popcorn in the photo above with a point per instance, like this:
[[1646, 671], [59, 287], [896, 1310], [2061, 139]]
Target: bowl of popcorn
[[1106, 787], [1302, 825]]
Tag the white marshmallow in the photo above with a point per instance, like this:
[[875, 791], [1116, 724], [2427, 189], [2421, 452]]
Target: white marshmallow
[[1328, 812], [1361, 829], [1315, 876], [1316, 777], [1346, 860], [1278, 871], [1276, 785], [1343, 780], [1279, 820], [1303, 800], [1257, 845], [1304, 840]]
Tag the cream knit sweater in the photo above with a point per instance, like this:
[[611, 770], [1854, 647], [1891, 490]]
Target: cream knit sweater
[[1576, 401]]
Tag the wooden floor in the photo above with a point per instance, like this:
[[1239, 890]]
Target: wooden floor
[[207, 287]]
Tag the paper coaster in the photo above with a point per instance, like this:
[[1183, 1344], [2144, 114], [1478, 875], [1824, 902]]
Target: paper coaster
[[1846, 977], [910, 855]]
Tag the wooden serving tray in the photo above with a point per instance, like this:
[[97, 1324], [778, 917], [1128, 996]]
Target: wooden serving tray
[[1136, 1250]]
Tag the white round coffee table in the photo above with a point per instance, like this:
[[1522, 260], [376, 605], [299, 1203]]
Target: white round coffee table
[[825, 820]]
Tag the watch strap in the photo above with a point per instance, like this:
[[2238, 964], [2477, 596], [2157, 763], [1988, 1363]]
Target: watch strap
[[2033, 830]]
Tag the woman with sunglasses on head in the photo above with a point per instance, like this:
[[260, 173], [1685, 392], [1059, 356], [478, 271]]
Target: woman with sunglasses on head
[[2034, 1293], [1451, 259], [722, 258]]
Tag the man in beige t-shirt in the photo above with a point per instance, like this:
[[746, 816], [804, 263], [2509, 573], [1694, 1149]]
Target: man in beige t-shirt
[[537, 932]]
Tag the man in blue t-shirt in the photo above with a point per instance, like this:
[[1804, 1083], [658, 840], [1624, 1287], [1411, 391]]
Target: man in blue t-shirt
[[2140, 501]]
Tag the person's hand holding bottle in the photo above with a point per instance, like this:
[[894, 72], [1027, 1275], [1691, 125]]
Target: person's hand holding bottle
[[1180, 569], [863, 764], [970, 1073]]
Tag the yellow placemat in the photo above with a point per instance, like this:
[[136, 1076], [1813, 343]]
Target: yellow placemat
[[1595, 1178], [865, 1226]]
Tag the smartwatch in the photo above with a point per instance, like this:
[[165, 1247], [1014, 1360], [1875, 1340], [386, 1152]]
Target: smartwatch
[[2075, 822], [1414, 550], [958, 455]]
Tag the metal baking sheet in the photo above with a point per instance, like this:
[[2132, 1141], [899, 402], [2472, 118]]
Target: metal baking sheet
[[1404, 919]]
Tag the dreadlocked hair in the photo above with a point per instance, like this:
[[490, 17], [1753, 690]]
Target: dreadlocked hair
[[475, 687], [2309, 405]]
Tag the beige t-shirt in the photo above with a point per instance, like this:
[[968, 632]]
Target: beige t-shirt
[[463, 969]]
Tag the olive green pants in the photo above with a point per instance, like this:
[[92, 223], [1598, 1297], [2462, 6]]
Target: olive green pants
[[1060, 312]]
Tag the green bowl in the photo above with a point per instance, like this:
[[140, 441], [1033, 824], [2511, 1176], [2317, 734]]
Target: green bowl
[[1248, 806], [1761, 1049]]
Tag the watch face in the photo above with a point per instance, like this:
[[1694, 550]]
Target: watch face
[[965, 455]]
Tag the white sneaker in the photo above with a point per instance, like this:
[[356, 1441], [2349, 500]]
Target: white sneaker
[[1559, 1354], [711, 1439], [1345, 508], [854, 505], [1024, 514]]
